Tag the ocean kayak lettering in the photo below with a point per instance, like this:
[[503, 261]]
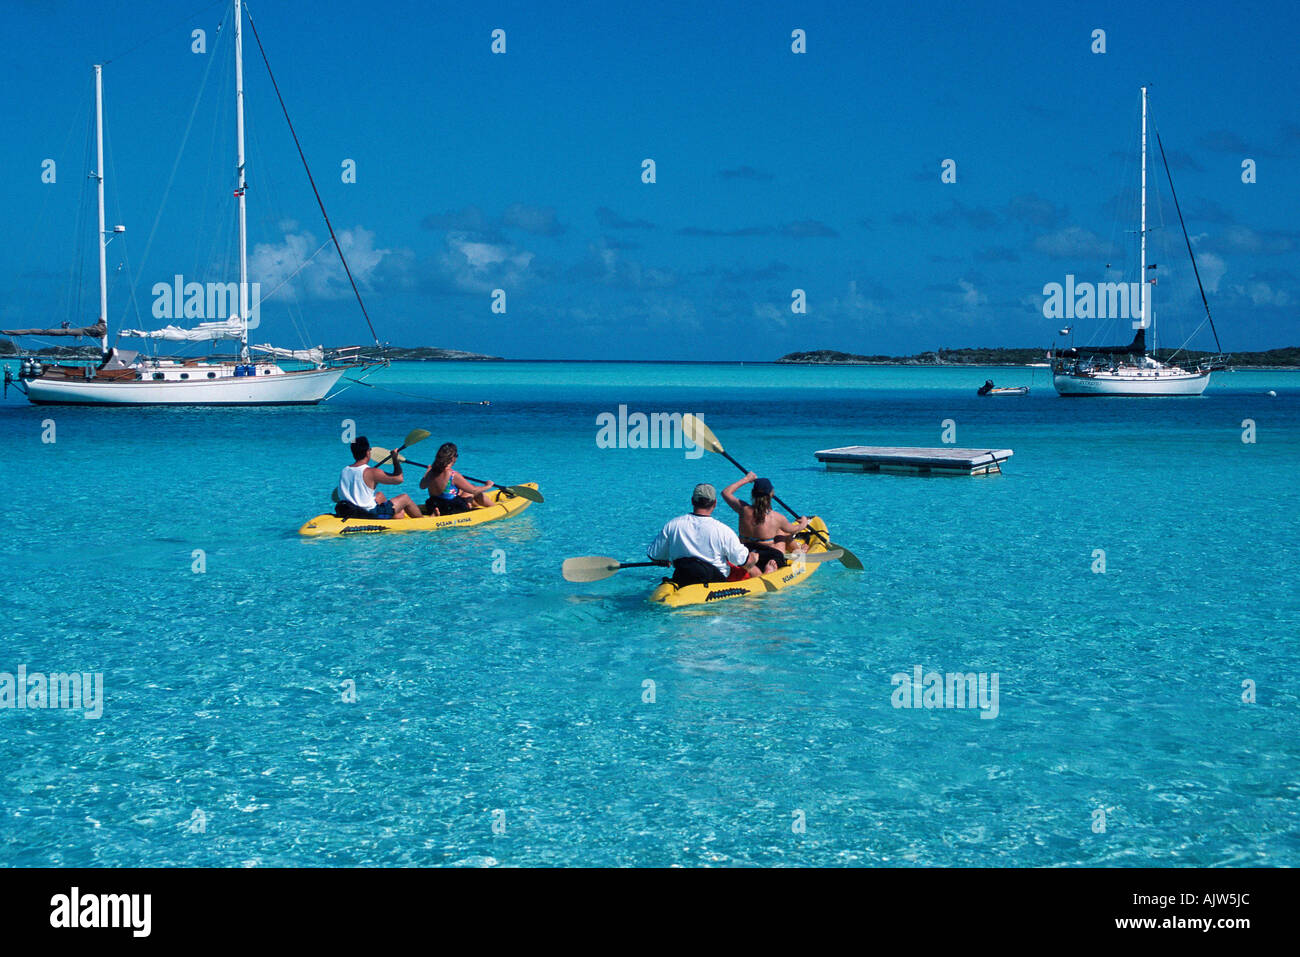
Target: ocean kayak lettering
[[930, 689], [657, 430]]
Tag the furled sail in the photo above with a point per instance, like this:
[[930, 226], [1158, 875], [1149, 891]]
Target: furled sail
[[230, 328], [315, 354], [97, 331], [1137, 347]]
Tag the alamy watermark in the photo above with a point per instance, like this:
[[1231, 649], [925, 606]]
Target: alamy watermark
[[639, 430], [212, 301], [82, 691], [75, 909], [931, 689], [1088, 300]]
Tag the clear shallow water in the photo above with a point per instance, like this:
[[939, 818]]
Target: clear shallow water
[[480, 691]]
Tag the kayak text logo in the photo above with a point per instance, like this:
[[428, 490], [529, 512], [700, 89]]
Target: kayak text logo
[[37, 691], [658, 430], [211, 302], [930, 689], [1086, 300], [75, 909]]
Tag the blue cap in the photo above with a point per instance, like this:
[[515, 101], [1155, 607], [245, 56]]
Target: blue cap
[[762, 486]]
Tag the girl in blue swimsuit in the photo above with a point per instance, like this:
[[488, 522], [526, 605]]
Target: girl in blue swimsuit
[[450, 493]]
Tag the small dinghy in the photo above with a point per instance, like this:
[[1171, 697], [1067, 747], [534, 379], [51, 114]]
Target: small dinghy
[[988, 388]]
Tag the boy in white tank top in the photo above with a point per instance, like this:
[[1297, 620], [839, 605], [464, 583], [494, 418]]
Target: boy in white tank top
[[357, 485]]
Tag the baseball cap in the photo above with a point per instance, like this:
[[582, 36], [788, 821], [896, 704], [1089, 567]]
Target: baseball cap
[[704, 494], [762, 486]]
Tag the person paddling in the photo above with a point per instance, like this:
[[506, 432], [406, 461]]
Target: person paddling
[[767, 534], [699, 547], [450, 493], [358, 480]]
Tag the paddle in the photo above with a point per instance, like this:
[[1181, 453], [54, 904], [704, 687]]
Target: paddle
[[703, 436], [412, 437], [520, 491], [593, 568]]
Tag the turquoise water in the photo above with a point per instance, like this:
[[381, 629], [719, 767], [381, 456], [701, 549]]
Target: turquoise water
[[516, 692]]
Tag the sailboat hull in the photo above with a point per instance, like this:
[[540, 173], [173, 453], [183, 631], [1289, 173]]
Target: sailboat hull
[[1139, 383], [290, 388]]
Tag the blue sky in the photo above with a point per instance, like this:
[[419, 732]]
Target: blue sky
[[776, 171]]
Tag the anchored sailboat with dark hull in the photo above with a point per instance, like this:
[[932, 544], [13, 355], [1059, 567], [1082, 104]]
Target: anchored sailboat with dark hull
[[1133, 370]]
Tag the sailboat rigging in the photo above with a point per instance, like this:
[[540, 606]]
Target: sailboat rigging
[[126, 378], [1134, 370]]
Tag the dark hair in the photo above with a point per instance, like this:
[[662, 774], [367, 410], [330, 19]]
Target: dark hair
[[360, 447], [447, 453], [762, 505]]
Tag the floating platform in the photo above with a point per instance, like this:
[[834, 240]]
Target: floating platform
[[887, 458]]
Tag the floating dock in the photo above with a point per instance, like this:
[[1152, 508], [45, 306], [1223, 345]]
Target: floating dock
[[887, 458]]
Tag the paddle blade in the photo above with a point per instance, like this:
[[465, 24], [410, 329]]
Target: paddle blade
[[847, 558], [700, 434], [588, 568], [382, 455], [524, 491], [416, 435], [816, 558]]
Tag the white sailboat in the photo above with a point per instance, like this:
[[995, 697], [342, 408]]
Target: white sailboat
[[128, 378], [1133, 370]]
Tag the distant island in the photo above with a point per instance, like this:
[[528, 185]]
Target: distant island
[[1273, 358], [431, 354]]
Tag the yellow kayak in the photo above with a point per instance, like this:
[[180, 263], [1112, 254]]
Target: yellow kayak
[[505, 506], [676, 596]]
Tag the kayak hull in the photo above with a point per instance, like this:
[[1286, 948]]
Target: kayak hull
[[506, 505], [675, 596]]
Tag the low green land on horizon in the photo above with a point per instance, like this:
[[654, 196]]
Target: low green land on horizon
[[1289, 356]]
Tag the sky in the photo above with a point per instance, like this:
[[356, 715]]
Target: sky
[[775, 171]]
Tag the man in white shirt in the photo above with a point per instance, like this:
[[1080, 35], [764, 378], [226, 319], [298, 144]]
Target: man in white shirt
[[700, 548]]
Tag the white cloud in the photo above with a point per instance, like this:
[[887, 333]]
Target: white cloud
[[1262, 294], [970, 296], [1212, 269], [1072, 242], [307, 268], [476, 266]]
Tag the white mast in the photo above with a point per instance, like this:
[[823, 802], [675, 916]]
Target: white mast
[[1146, 292], [243, 225], [99, 176]]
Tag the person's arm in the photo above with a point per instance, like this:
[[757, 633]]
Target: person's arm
[[383, 478], [465, 485], [658, 550], [426, 478], [787, 528], [736, 551], [729, 493]]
